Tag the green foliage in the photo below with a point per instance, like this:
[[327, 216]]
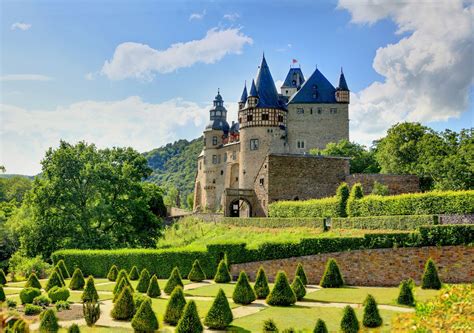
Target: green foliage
[[349, 322], [320, 327], [21, 265], [122, 274], [134, 273], [380, 189], [371, 313], [58, 294], [11, 303], [62, 305], [74, 328], [31, 309], [190, 322], [14, 188], [48, 322], [60, 274], [121, 284], [138, 299], [63, 268], [443, 235], [298, 288], [2, 294], [269, 326], [153, 289], [113, 272], [90, 293], [144, 281], [33, 281], [261, 284], [430, 279], [342, 195], [220, 314], [20, 326], [54, 280], [27, 295], [332, 277], [274, 222], [301, 273], [175, 306], [397, 222], [196, 274], [243, 292], [326, 207], [154, 196], [222, 274], [173, 281], [124, 307], [357, 192], [77, 281], [42, 300], [281, 294], [405, 296], [91, 312], [3, 278], [145, 319]]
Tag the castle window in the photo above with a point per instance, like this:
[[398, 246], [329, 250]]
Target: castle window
[[300, 111], [214, 159], [300, 144], [280, 118], [333, 111], [262, 181], [213, 113], [253, 144], [249, 117], [213, 181], [219, 113], [240, 120], [286, 91], [225, 157], [222, 172], [234, 155], [265, 116], [214, 140], [311, 111], [320, 110]]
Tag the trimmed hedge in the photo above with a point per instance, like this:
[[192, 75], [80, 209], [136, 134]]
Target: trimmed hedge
[[430, 279], [298, 288], [398, 222], [31, 309], [243, 292], [326, 207], [33, 281], [144, 281], [124, 308], [349, 321], [281, 294], [153, 289], [3, 278], [90, 293], [220, 314], [405, 296], [59, 294], [175, 307], [275, 222], [113, 272], [173, 281], [145, 319], [190, 322], [196, 274], [27, 295], [371, 313], [261, 284]]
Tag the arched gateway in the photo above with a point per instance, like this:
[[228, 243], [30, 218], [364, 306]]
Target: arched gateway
[[239, 203]]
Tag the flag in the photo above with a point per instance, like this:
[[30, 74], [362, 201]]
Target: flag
[[294, 61]]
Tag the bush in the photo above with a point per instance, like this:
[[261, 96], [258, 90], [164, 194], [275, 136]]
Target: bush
[[24, 266], [153, 289], [196, 274], [443, 235], [430, 279], [222, 274], [27, 295], [33, 282], [124, 308], [269, 326], [143, 281], [113, 272], [190, 322], [261, 284], [77, 282], [220, 314], [122, 283], [173, 281], [20, 326], [48, 322], [62, 305], [274, 222], [60, 274], [90, 293], [122, 274], [298, 288], [301, 273], [74, 328], [42, 300], [380, 189], [138, 299], [349, 322], [54, 281], [91, 312], [175, 306], [326, 207], [332, 277], [398, 222], [281, 294], [371, 313], [11, 303], [62, 267], [58, 294], [243, 292], [145, 319], [320, 327], [342, 195], [31, 310], [134, 273], [405, 296], [3, 278]]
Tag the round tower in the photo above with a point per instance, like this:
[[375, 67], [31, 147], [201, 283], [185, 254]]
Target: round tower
[[342, 91]]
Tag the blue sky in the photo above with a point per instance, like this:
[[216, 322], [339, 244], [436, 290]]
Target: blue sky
[[113, 73]]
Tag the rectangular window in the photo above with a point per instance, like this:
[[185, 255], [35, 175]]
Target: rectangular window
[[280, 119], [214, 159], [265, 116], [300, 144], [249, 117], [333, 110], [214, 140], [320, 110], [262, 181], [300, 111], [225, 157], [253, 144], [311, 111]]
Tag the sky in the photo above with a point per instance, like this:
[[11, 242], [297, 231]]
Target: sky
[[144, 73]]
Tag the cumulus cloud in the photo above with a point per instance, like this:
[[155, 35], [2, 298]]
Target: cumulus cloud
[[25, 77], [427, 74], [20, 26], [232, 16], [135, 60]]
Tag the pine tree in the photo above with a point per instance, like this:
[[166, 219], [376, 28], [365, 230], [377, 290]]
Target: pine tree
[[332, 277], [269, 326], [124, 308], [54, 280], [222, 274], [173, 281], [3, 278], [261, 284], [121, 285], [77, 281], [196, 274], [90, 293], [349, 322], [48, 322], [243, 292], [320, 327], [33, 281], [63, 268], [190, 322], [113, 272], [153, 289], [220, 314], [281, 294], [298, 288], [144, 281], [405, 297], [134, 273], [3, 298], [371, 313], [175, 306], [301, 273], [122, 274], [430, 279], [145, 319], [74, 328]]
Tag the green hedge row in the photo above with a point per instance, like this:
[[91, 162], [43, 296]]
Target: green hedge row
[[275, 222], [161, 262], [400, 222], [326, 207]]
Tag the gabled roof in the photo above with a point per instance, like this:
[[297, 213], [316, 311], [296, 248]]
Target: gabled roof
[[243, 98], [317, 89], [294, 78], [267, 93], [342, 82]]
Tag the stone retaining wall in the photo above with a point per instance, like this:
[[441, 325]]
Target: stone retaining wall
[[456, 219], [379, 267]]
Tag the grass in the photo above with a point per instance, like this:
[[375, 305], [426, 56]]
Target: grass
[[211, 290], [76, 296], [110, 285]]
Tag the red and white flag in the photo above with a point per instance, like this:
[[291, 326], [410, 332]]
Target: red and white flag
[[294, 61]]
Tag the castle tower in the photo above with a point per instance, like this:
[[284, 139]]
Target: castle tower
[[293, 82], [342, 91], [243, 98]]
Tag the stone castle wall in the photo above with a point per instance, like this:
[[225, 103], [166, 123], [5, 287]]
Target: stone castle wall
[[397, 184]]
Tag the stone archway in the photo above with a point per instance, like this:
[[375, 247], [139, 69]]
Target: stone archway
[[239, 202], [240, 207]]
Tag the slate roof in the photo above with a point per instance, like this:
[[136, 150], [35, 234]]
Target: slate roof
[[316, 89], [244, 96], [290, 81], [342, 82], [267, 93], [253, 90]]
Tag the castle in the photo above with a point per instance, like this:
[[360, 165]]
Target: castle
[[264, 157]]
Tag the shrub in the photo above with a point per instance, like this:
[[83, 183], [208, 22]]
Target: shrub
[[442, 235], [243, 292], [298, 288], [91, 312], [281, 294], [371, 313], [196, 274], [122, 274], [27, 295], [220, 314], [113, 272], [124, 308], [54, 281], [355, 195], [90, 293], [48, 322], [42, 300], [77, 282], [405, 296], [175, 306], [11, 303], [24, 266], [3, 278], [33, 282], [349, 322], [261, 284], [222, 274], [138, 299], [121, 285], [58, 294], [342, 195], [60, 274], [320, 327], [153, 289], [134, 273], [430, 279], [62, 267], [326, 207], [143, 281], [269, 326], [173, 281], [397, 222], [301, 273], [2, 294], [20, 326], [380, 189], [190, 322], [62, 305], [31, 309], [74, 328], [332, 277], [145, 319]]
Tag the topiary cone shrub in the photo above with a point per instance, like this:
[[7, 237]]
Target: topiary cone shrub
[[405, 297], [113, 272], [261, 284], [281, 294], [298, 288], [190, 322], [243, 292], [20, 326], [48, 322], [145, 319], [332, 277], [121, 274], [320, 327], [430, 279], [124, 308], [63, 269], [74, 328], [3, 278], [91, 312], [371, 313], [173, 281], [144, 281], [196, 274], [269, 326], [153, 289], [77, 282], [349, 322], [54, 280], [122, 280], [342, 195], [3, 298], [175, 306], [220, 314], [134, 274], [222, 274], [301, 273], [33, 282], [90, 293], [121, 285], [60, 274], [27, 295]]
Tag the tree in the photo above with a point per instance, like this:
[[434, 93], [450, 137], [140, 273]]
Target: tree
[[222, 274], [220, 314], [281, 294], [124, 308], [14, 189], [371, 313], [298, 288], [154, 195], [145, 319], [74, 328], [320, 327], [332, 277], [48, 322], [2, 294], [153, 289], [175, 306], [77, 280], [134, 273], [261, 284], [405, 296], [173, 281], [121, 284], [113, 272], [430, 279], [243, 292], [171, 198], [144, 281], [301, 273], [190, 322], [90, 293], [349, 322], [196, 274]]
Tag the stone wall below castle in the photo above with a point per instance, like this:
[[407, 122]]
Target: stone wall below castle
[[397, 184]]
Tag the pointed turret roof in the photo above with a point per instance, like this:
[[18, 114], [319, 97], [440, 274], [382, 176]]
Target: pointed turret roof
[[317, 89], [267, 93], [244, 96], [253, 90], [342, 82], [294, 78]]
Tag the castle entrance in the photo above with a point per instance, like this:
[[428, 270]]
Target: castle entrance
[[239, 202], [240, 208]]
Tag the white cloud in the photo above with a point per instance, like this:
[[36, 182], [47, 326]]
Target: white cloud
[[135, 60], [21, 26], [197, 16], [25, 77], [232, 16], [427, 74]]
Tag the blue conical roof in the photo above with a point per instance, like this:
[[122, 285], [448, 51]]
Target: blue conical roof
[[267, 93], [253, 90], [294, 78], [342, 82], [244, 96], [317, 89]]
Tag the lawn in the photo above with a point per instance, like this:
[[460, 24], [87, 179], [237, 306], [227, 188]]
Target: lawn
[[109, 286], [76, 296], [211, 290]]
